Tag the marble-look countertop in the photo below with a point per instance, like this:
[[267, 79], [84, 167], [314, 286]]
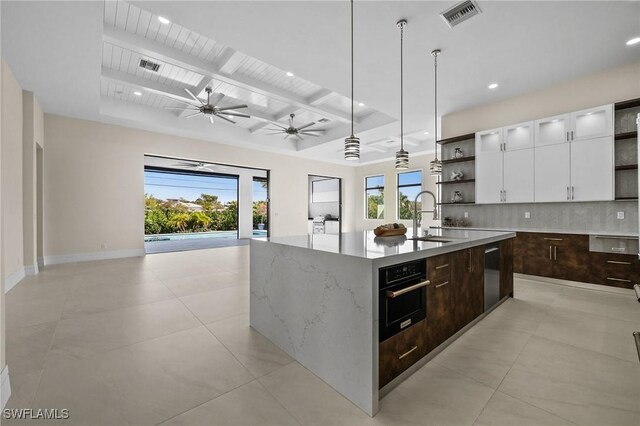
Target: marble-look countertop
[[548, 231], [364, 244]]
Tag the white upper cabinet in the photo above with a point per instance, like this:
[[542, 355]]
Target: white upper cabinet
[[552, 173], [592, 123], [488, 141], [518, 136], [592, 169], [552, 130], [518, 176], [489, 178]]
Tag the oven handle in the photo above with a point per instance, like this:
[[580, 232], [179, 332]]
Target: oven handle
[[394, 294]]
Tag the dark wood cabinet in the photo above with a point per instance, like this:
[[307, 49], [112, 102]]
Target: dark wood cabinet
[[439, 323], [467, 278], [506, 268], [617, 270], [401, 351]]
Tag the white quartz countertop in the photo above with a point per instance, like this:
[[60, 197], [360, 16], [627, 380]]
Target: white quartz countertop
[[364, 244], [550, 231]]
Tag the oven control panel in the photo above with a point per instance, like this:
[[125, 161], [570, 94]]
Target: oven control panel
[[395, 273]]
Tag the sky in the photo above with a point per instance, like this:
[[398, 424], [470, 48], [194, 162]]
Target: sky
[[190, 187]]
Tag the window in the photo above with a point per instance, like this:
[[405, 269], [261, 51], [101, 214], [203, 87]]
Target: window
[[260, 206], [409, 185], [374, 189]]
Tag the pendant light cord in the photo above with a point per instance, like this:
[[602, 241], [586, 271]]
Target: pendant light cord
[[401, 88], [352, 101], [435, 134]]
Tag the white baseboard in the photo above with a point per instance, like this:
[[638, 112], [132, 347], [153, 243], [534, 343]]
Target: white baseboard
[[10, 281], [41, 262], [97, 255], [596, 287], [31, 269], [5, 387]]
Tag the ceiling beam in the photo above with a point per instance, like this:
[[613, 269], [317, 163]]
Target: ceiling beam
[[230, 61], [164, 90], [165, 53], [320, 96]]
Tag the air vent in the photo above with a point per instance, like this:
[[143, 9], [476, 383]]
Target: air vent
[[460, 13], [148, 65]]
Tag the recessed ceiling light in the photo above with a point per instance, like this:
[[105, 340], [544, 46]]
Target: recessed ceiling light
[[493, 86], [361, 103], [554, 120], [137, 93], [163, 20], [633, 41], [426, 133], [289, 74]]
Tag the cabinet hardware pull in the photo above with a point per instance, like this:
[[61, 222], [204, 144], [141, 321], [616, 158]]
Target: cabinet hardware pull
[[617, 262], [567, 193], [572, 190], [572, 135], [616, 237], [550, 248], [505, 195], [442, 284], [553, 239], [442, 266], [567, 136], [555, 252], [619, 249], [618, 279], [470, 261], [407, 352], [394, 294]]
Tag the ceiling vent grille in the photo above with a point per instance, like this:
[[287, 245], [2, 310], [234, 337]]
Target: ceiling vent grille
[[460, 12], [148, 65]]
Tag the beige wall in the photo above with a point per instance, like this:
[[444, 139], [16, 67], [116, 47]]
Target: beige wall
[[387, 169], [610, 86], [94, 184], [2, 298], [11, 173]]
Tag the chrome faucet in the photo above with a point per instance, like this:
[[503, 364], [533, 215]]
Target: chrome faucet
[[415, 211]]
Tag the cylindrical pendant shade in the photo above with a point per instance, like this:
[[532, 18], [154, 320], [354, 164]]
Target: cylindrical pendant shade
[[402, 160], [352, 148], [435, 167]]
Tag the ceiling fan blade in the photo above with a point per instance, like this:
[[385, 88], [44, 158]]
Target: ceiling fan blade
[[306, 125], [235, 114], [232, 107], [217, 98], [211, 120], [278, 124], [193, 96], [277, 133], [277, 130], [182, 108], [225, 118], [310, 134], [287, 135], [299, 137], [193, 115]]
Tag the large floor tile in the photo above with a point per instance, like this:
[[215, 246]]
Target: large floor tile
[[602, 303], [597, 333], [219, 304], [91, 334], [436, 395], [251, 348], [484, 354], [142, 384], [36, 303], [249, 404], [576, 384], [185, 286], [517, 315], [310, 400], [504, 410]]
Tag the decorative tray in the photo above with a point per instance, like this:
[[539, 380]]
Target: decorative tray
[[381, 232]]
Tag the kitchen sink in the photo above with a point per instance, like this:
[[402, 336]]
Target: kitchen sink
[[435, 239]]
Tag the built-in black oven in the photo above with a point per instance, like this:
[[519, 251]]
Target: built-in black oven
[[402, 297]]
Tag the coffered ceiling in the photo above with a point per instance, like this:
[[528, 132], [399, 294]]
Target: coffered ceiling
[[84, 61]]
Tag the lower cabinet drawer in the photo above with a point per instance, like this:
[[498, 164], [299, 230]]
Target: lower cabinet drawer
[[614, 270], [401, 351]]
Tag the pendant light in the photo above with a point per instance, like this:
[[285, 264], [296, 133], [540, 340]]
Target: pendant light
[[352, 143], [402, 156], [436, 165]]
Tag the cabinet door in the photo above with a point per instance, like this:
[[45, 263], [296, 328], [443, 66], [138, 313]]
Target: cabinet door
[[538, 255], [467, 279], [571, 257], [489, 178], [592, 169], [592, 123], [489, 141], [552, 173], [518, 176], [552, 130], [506, 268], [518, 136], [400, 352], [439, 323]]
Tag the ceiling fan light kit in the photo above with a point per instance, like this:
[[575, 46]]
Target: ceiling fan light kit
[[210, 109], [297, 132], [402, 156], [352, 143]]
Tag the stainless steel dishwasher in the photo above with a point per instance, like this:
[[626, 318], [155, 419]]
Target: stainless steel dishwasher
[[491, 276]]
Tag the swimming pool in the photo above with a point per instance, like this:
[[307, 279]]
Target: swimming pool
[[198, 235]]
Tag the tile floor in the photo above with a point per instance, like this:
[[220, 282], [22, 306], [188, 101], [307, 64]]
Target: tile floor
[[165, 340]]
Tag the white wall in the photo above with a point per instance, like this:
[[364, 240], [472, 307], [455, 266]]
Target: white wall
[[12, 216], [387, 169], [613, 85], [94, 185]]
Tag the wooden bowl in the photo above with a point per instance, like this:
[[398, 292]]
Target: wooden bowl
[[389, 232]]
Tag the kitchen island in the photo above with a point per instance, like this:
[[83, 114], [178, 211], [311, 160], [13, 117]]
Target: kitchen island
[[363, 312]]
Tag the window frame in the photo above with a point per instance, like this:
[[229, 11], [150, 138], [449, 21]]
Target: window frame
[[399, 187], [366, 196]]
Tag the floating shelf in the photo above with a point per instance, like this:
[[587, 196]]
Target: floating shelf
[[458, 160], [626, 198], [470, 136], [450, 182], [627, 135], [457, 204], [627, 167]]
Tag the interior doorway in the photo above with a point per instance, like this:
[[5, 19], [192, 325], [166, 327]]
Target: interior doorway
[[325, 205]]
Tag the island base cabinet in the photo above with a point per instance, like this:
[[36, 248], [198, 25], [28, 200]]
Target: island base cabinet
[[468, 285], [401, 351], [506, 268]]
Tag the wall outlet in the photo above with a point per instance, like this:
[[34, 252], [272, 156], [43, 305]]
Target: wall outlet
[[620, 215], [466, 214], [527, 215]]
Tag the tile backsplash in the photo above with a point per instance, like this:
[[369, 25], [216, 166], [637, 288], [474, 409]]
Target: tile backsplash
[[587, 217]]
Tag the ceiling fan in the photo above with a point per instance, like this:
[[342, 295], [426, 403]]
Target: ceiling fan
[[296, 131], [210, 108], [196, 165]]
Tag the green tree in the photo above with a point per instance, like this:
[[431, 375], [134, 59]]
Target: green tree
[[405, 207], [259, 213], [373, 201], [199, 222], [229, 217], [179, 221]]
